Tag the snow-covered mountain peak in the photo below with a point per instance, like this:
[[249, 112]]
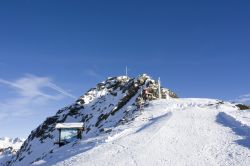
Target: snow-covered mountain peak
[[5, 139], [126, 123], [113, 102], [6, 142], [9, 147]]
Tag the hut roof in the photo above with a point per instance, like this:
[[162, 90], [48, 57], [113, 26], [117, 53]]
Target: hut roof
[[69, 126]]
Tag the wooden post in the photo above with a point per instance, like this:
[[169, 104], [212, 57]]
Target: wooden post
[[59, 136], [79, 133], [126, 71]]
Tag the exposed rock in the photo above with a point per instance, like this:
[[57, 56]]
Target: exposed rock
[[111, 103], [242, 106]]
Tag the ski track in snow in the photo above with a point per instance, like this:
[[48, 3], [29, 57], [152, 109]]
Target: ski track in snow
[[175, 132]]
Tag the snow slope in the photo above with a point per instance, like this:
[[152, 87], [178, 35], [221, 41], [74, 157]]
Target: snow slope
[[168, 132], [111, 103]]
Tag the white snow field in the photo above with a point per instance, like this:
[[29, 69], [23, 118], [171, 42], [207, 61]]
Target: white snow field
[[169, 132]]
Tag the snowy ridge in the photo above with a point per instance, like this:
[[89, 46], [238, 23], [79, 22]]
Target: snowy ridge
[[113, 102], [168, 132]]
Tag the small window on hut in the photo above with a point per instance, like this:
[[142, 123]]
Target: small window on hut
[[69, 135]]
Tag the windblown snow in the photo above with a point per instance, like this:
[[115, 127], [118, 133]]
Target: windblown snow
[[168, 132]]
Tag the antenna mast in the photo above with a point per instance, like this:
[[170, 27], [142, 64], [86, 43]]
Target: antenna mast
[[159, 87], [126, 71]]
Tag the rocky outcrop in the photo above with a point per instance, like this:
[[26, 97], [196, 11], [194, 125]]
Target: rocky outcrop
[[7, 151], [242, 106], [112, 102]]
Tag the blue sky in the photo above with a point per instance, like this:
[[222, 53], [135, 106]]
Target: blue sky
[[52, 51]]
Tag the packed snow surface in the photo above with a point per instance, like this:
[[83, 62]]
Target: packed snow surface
[[168, 132]]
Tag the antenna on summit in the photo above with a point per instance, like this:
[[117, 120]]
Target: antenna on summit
[[126, 71], [159, 87]]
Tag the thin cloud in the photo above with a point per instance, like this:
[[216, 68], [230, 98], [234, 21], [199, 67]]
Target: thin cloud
[[243, 99], [8, 83], [31, 93], [32, 86], [92, 73], [58, 89], [246, 95]]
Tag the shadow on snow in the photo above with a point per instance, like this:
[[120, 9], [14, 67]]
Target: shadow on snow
[[237, 127], [155, 121]]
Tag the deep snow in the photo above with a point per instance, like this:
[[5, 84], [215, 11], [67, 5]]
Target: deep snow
[[168, 132]]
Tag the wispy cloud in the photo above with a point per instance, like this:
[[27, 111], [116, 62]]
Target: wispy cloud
[[92, 73], [246, 95], [243, 99], [60, 90], [31, 92], [32, 86]]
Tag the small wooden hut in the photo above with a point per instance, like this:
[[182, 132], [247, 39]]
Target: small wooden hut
[[69, 132]]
